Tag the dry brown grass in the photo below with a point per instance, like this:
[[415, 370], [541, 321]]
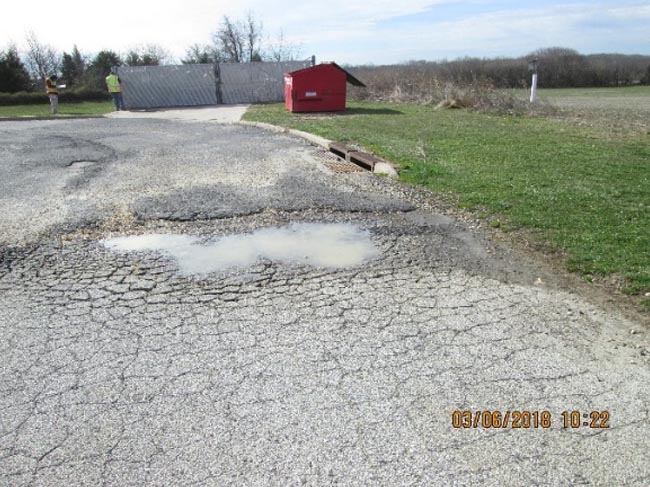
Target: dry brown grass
[[410, 86], [451, 103]]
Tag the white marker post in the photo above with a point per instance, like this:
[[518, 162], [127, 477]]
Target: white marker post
[[532, 66]]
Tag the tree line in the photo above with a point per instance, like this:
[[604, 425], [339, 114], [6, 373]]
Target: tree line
[[244, 41], [558, 67], [234, 40]]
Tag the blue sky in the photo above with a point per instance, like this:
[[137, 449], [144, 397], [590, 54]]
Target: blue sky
[[346, 31]]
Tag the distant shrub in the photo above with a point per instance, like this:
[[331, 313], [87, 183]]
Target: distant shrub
[[65, 96], [83, 94], [22, 98], [410, 86]]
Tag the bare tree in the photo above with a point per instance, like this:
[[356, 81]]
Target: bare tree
[[41, 60], [229, 41], [282, 50], [238, 41], [253, 35]]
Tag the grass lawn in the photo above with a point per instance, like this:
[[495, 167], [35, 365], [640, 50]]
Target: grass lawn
[[593, 93], [581, 192], [83, 108], [616, 112], [623, 91]]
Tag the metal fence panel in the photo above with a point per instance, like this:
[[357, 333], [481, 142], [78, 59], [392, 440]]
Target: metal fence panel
[[255, 82], [197, 84], [168, 86]]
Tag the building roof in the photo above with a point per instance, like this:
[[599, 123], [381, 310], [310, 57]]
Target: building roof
[[350, 79]]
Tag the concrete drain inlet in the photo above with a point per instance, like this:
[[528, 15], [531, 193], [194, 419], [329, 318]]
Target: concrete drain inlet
[[333, 246], [336, 164]]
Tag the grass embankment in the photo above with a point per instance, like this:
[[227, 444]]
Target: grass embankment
[[578, 190], [65, 109]]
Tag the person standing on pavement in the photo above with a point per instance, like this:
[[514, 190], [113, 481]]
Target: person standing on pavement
[[114, 86], [52, 92]]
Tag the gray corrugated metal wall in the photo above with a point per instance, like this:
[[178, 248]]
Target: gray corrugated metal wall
[[168, 86], [204, 84], [254, 82]]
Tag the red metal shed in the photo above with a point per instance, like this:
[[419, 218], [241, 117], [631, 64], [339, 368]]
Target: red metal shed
[[320, 88]]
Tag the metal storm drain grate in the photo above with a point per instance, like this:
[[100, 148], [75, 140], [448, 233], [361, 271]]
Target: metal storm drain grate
[[336, 164]]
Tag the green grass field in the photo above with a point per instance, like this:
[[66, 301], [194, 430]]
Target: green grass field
[[594, 93], [617, 112], [573, 188], [591, 93], [83, 108]]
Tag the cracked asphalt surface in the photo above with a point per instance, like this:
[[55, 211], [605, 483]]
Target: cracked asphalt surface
[[117, 370]]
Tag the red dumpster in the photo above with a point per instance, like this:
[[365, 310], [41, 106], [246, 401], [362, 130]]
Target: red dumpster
[[320, 88]]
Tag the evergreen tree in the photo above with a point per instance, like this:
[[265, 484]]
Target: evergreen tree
[[198, 54], [73, 67], [99, 67], [148, 55], [13, 74]]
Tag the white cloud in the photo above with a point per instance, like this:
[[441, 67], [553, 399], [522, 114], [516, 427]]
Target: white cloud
[[345, 30], [176, 25], [95, 26], [507, 33]]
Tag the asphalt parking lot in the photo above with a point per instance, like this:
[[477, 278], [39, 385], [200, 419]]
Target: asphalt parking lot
[[119, 368]]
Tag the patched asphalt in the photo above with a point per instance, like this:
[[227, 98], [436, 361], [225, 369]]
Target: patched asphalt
[[116, 369]]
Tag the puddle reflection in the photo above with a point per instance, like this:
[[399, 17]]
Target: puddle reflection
[[319, 245]]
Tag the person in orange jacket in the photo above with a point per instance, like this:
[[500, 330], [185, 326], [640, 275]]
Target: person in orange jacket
[[52, 92]]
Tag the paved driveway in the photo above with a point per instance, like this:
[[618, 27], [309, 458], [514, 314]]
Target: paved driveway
[[220, 114], [126, 368]]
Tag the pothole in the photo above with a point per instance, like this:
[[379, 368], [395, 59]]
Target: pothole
[[81, 164], [333, 246]]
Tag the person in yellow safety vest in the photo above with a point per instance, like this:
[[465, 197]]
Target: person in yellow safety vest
[[114, 86], [52, 92]]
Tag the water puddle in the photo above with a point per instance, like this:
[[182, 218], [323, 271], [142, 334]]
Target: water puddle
[[319, 245]]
